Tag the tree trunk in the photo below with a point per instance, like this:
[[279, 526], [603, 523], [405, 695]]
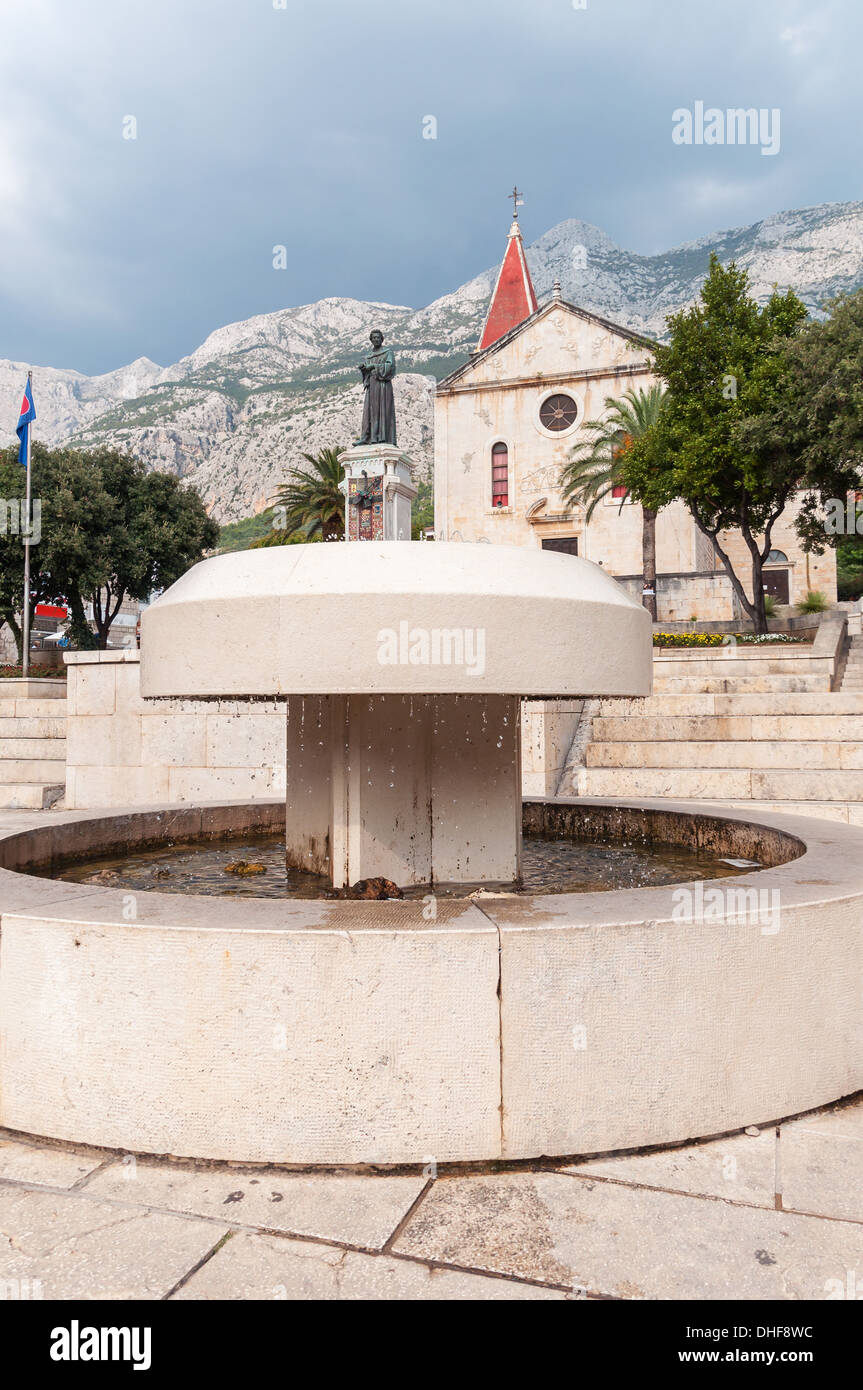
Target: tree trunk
[[742, 596], [758, 557], [648, 560], [9, 618], [758, 593], [104, 616], [80, 632]]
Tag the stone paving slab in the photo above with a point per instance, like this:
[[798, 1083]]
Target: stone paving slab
[[269, 1267], [741, 1168], [31, 1163], [624, 1242], [354, 1210], [821, 1163], [79, 1248]]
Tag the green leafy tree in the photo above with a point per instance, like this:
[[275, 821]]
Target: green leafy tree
[[12, 521], [726, 369], [311, 498], [278, 536], [158, 529], [108, 529], [423, 509], [597, 466], [817, 416], [78, 520]]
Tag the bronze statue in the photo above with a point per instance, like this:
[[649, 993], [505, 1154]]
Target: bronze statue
[[378, 368]]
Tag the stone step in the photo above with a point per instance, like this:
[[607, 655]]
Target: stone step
[[711, 729], [659, 704], [694, 685], [32, 709], [753, 753], [48, 770], [34, 688], [704, 727], [51, 748], [32, 728], [802, 702], [30, 796], [721, 784], [702, 664]]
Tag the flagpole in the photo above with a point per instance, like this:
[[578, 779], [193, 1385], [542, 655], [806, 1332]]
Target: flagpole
[[25, 641]]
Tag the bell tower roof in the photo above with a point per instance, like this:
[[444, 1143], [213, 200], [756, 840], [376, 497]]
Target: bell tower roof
[[514, 299]]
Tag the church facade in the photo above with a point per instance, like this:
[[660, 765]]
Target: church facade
[[505, 423]]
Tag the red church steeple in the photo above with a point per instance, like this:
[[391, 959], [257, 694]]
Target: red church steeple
[[514, 299]]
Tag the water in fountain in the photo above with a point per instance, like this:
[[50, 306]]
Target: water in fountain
[[549, 865]]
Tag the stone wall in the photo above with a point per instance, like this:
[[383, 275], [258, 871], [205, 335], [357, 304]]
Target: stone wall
[[123, 750], [705, 596], [547, 730]]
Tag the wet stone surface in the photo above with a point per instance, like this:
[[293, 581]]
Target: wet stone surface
[[549, 865]]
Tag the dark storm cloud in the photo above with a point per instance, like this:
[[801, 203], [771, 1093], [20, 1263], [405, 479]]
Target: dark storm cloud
[[261, 124]]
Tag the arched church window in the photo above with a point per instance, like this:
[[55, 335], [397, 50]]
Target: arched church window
[[777, 557], [499, 475]]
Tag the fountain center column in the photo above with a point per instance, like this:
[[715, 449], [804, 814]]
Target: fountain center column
[[414, 788]]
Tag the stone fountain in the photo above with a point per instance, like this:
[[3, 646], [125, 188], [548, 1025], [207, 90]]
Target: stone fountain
[[486, 1026], [341, 1032], [404, 666]]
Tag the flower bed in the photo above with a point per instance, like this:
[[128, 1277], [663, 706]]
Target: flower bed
[[36, 672], [726, 639]]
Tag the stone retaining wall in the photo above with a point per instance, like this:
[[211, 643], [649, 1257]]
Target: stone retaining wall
[[123, 750]]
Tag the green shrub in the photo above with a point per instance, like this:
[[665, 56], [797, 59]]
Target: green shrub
[[814, 602]]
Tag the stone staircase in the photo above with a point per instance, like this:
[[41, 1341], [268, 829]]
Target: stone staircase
[[32, 744], [759, 725], [853, 676]]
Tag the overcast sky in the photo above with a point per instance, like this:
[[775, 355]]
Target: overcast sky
[[300, 123]]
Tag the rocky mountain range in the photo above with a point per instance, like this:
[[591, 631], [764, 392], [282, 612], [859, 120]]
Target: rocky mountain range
[[237, 413]]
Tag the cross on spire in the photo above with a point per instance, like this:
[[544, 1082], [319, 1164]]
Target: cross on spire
[[517, 201]]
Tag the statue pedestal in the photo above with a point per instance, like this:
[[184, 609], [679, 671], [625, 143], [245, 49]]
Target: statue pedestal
[[379, 493]]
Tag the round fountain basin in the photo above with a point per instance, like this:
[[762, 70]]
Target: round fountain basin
[[562, 858], [314, 1032]]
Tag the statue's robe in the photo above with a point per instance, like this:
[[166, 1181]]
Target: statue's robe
[[379, 408]]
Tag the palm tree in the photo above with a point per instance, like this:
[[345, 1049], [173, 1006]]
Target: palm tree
[[595, 468], [311, 498]]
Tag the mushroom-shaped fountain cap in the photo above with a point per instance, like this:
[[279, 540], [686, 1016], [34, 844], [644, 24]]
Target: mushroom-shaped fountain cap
[[410, 617]]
